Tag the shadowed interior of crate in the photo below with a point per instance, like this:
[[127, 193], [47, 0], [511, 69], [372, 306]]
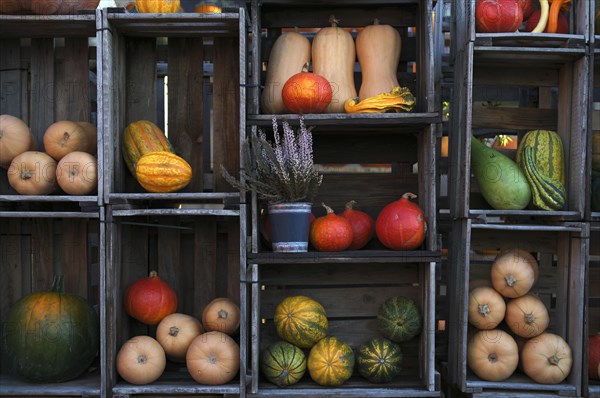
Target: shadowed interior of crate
[[351, 295], [594, 284]]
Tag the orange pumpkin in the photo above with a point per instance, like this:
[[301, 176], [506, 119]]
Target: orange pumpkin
[[175, 334], [486, 308], [306, 92], [514, 273], [547, 358], [150, 299], [65, 136], [213, 358], [158, 6], [141, 360], [77, 173], [163, 172], [527, 316], [492, 355], [331, 232], [15, 138], [208, 8], [32, 173], [221, 314]]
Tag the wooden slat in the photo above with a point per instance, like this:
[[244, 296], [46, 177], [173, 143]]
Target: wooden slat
[[42, 87], [72, 91], [205, 264], [43, 256], [514, 76], [169, 255], [11, 78], [73, 255], [14, 265], [517, 119]]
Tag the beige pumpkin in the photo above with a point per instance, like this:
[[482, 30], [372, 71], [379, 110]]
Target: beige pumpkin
[[175, 333], [221, 314], [527, 316], [486, 308], [513, 273], [92, 133], [492, 355], [547, 358], [141, 360], [15, 138], [32, 173], [213, 358], [77, 173], [65, 136]]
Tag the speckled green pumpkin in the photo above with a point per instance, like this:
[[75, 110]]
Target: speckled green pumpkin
[[399, 319], [379, 360], [283, 363], [301, 321]]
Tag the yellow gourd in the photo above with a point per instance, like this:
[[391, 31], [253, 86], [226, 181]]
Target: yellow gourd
[[290, 53], [378, 51], [333, 57]]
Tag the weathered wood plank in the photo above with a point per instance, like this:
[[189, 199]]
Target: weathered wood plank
[[42, 87], [72, 91], [169, 255], [13, 265], [205, 264], [43, 256], [11, 79], [515, 118], [73, 255], [514, 76]]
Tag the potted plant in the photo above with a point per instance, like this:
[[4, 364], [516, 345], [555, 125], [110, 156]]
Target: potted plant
[[281, 172]]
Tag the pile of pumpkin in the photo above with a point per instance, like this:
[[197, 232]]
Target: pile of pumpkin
[[291, 88], [301, 323], [493, 354], [68, 162], [211, 355]]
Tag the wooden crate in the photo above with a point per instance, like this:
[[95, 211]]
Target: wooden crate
[[561, 252], [32, 251], [47, 74], [592, 387]]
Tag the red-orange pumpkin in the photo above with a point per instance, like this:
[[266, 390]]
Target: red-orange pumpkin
[[331, 233], [363, 226], [401, 225], [495, 16], [150, 299], [594, 357], [306, 92]]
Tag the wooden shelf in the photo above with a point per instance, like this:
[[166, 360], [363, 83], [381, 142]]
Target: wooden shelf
[[86, 385], [519, 381], [38, 26], [353, 256], [176, 382], [359, 121]]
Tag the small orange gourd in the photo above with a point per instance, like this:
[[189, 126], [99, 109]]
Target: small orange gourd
[[175, 334], [331, 232], [221, 314], [141, 360], [15, 138], [547, 358], [486, 308], [213, 358], [514, 272], [527, 316], [492, 355]]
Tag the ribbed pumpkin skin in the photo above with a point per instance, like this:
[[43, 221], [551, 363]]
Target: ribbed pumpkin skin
[[379, 360], [50, 336], [549, 152], [330, 362], [140, 138], [399, 319], [164, 6], [301, 321], [163, 172], [283, 363]]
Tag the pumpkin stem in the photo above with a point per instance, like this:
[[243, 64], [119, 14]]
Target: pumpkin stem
[[153, 274], [58, 284], [142, 359], [553, 360], [350, 204], [530, 318], [493, 358], [409, 195], [329, 209], [333, 21], [65, 138], [305, 67], [26, 174], [510, 280], [376, 21], [484, 309], [173, 331], [223, 314]]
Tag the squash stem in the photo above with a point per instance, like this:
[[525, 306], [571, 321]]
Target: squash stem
[[350, 204], [327, 208], [58, 284], [484, 309], [553, 360]]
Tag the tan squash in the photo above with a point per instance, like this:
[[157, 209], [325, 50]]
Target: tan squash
[[221, 314], [15, 138], [492, 355], [513, 273], [141, 360], [66, 136], [547, 358], [378, 51], [32, 173], [486, 308], [333, 56], [290, 53], [175, 333], [213, 358], [527, 316], [77, 173], [92, 133]]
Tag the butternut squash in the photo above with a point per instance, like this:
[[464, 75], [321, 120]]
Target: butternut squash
[[290, 53], [378, 51], [333, 56]]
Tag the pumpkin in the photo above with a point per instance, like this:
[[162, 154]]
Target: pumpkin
[[163, 172], [283, 363], [43, 7], [399, 319], [547, 358], [306, 92], [401, 225], [221, 314], [300, 320], [77, 173], [175, 333], [363, 226], [140, 138], [158, 6], [213, 358], [594, 357], [562, 23], [32, 173], [65, 136], [496, 16], [10, 7], [15, 138], [50, 336], [141, 360], [330, 362], [527, 7], [207, 9], [331, 232], [150, 299], [92, 132], [527, 316], [486, 308], [513, 273], [289, 55], [492, 355], [73, 7], [378, 52], [379, 360], [333, 56]]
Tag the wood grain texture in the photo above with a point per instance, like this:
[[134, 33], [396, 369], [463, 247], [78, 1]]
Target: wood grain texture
[[72, 89], [42, 87]]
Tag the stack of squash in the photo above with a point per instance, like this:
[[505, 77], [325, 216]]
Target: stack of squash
[[511, 325]]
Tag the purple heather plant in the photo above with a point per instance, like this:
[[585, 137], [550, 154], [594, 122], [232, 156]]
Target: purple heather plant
[[281, 171]]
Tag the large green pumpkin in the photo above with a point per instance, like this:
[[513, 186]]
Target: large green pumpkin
[[330, 362], [50, 336], [379, 360], [283, 363], [301, 321], [399, 319]]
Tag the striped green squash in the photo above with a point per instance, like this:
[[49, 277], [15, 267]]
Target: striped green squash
[[399, 319], [547, 193], [330, 362], [283, 363], [548, 152], [301, 321], [379, 360]]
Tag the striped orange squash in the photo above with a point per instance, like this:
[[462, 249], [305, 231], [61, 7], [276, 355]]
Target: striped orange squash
[[140, 138], [163, 172], [162, 6]]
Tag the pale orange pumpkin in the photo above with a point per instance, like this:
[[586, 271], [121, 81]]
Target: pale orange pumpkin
[[175, 334], [213, 358], [208, 9], [32, 173], [77, 173], [65, 136], [547, 358], [527, 316], [141, 360], [513, 273], [221, 314], [15, 138], [92, 133], [486, 308], [492, 355], [158, 6]]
